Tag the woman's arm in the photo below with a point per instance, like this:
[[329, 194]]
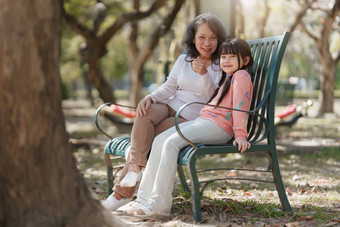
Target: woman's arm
[[210, 81], [168, 88]]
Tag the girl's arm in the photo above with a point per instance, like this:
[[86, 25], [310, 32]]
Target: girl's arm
[[242, 94], [168, 88]]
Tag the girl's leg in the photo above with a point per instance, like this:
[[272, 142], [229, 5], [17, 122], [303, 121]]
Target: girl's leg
[[160, 199], [150, 171]]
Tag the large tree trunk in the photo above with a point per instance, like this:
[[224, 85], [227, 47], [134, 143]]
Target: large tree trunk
[[40, 185]]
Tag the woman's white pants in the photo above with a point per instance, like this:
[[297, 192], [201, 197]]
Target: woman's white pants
[[155, 189]]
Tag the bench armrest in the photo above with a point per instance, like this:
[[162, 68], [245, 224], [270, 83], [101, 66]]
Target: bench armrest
[[96, 118], [252, 112]]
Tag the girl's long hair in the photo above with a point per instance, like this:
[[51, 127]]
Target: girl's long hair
[[241, 49]]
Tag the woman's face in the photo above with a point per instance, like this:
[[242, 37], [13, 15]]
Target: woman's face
[[205, 41]]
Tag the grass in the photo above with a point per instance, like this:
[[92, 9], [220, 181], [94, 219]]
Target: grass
[[310, 176], [313, 184]]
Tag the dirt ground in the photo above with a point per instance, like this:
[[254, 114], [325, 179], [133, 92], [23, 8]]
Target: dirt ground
[[310, 175]]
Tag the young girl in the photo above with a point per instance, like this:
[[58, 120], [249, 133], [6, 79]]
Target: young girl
[[215, 125]]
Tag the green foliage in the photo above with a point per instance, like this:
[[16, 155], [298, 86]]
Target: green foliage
[[65, 91], [337, 78], [322, 215], [115, 62]]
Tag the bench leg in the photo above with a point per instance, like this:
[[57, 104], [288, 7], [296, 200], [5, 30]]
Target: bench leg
[[279, 184], [182, 178], [195, 190], [109, 173]]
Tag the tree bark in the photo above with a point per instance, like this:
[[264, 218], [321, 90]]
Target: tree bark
[[40, 185]]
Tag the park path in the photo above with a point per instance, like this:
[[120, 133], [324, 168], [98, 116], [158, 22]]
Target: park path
[[79, 117]]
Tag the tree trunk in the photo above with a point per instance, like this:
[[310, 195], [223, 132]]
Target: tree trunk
[[329, 65], [136, 84], [106, 92], [40, 185], [327, 84]]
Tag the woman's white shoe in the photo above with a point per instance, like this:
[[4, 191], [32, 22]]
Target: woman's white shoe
[[131, 179], [111, 203]]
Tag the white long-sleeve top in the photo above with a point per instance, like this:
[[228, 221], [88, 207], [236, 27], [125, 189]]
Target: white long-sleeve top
[[184, 85]]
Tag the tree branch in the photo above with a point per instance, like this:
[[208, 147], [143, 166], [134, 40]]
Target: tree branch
[[160, 31], [127, 17], [304, 28], [298, 19], [76, 26]]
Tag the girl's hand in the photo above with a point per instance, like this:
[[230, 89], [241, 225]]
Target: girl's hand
[[199, 66], [143, 106], [242, 144]]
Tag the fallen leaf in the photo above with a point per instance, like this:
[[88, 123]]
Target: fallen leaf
[[305, 218], [296, 177], [247, 193], [302, 190], [289, 192], [311, 223], [321, 181], [330, 224], [293, 224], [231, 174]]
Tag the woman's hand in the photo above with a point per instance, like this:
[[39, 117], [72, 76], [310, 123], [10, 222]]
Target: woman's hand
[[199, 66], [143, 106], [242, 144]]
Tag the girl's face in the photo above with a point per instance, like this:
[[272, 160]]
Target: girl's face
[[205, 41], [229, 63]]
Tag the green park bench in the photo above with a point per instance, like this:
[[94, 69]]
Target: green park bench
[[268, 53]]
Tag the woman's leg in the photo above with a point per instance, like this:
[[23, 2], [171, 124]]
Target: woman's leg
[[142, 135], [162, 180]]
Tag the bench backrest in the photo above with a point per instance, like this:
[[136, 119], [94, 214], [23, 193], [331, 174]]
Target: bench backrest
[[267, 54]]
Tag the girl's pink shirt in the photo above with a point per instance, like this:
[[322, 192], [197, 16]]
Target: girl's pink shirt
[[238, 97]]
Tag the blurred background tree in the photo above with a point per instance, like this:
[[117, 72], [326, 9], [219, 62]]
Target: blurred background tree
[[130, 61]]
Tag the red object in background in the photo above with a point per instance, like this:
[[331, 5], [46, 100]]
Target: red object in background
[[122, 112], [289, 110]]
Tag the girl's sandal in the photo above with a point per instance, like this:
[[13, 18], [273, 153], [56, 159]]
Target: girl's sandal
[[144, 212], [134, 207]]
